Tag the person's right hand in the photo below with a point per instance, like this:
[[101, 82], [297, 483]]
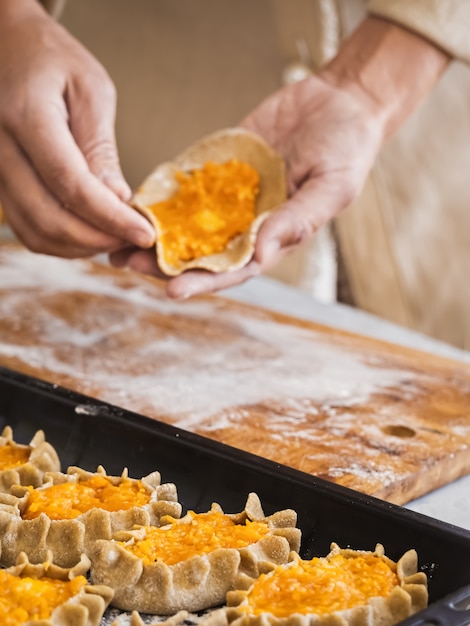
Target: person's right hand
[[61, 185]]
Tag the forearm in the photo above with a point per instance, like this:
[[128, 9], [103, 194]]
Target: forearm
[[12, 9], [392, 67], [445, 22]]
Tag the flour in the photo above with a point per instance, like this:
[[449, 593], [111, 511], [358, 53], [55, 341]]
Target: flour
[[324, 402], [261, 359]]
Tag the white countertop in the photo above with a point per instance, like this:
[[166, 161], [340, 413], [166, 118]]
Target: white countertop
[[451, 503]]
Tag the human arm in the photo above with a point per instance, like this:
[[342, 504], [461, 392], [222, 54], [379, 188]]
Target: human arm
[[329, 128], [61, 186]]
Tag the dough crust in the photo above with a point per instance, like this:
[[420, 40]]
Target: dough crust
[[68, 539], [84, 609], [405, 599], [219, 147], [42, 458], [198, 582]]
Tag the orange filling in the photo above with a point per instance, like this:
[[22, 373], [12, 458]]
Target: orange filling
[[12, 456], [203, 533], [212, 206], [24, 599], [69, 500], [320, 586]]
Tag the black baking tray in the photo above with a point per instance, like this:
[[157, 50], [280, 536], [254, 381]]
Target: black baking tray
[[88, 433]]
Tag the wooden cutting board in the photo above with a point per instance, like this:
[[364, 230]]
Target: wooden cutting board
[[379, 418]]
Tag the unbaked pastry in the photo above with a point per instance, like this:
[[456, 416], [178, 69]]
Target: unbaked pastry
[[69, 533], [25, 464], [369, 590], [151, 585], [220, 147], [48, 595]]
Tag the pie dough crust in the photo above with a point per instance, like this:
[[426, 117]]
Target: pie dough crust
[[84, 609], [68, 539], [407, 598], [199, 582], [219, 147], [42, 458]]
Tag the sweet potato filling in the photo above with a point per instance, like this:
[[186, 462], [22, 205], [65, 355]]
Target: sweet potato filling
[[12, 456], [24, 598], [197, 534], [211, 207], [69, 500], [322, 585]]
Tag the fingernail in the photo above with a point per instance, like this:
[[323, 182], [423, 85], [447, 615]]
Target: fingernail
[[178, 294], [181, 295], [143, 238], [118, 185]]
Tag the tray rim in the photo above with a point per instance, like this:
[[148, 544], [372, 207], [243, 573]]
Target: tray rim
[[440, 611], [88, 406]]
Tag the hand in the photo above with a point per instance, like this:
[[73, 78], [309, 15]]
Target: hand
[[329, 129], [61, 186], [329, 140]]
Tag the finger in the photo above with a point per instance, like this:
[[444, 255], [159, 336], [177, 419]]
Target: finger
[[93, 130], [310, 208], [143, 261], [197, 282], [188, 284], [49, 144], [36, 217]]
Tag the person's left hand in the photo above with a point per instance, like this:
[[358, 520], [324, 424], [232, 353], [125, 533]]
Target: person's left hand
[[329, 138]]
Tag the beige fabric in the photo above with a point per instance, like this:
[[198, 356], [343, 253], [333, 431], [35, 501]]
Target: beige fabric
[[187, 68], [308, 35], [406, 240], [423, 202], [445, 22], [373, 275], [182, 68], [54, 7]]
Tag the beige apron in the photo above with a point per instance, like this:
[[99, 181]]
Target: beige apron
[[184, 68]]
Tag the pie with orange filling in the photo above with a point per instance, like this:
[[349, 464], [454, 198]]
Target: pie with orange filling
[[347, 587], [208, 204], [25, 464], [48, 595], [212, 205], [71, 511], [190, 563]]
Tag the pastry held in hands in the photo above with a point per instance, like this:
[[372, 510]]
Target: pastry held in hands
[[208, 204]]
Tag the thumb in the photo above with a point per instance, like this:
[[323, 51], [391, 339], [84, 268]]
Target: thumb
[[310, 208], [92, 121]]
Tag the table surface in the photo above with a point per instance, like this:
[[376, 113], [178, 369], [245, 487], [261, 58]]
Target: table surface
[[451, 503]]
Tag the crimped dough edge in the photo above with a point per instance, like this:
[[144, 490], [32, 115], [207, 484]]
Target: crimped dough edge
[[68, 539], [219, 147], [84, 609], [42, 458], [199, 582], [407, 598]]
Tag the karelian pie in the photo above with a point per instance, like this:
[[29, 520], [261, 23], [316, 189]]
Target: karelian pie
[[208, 204], [48, 595], [25, 464], [190, 563], [71, 511], [345, 588]]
